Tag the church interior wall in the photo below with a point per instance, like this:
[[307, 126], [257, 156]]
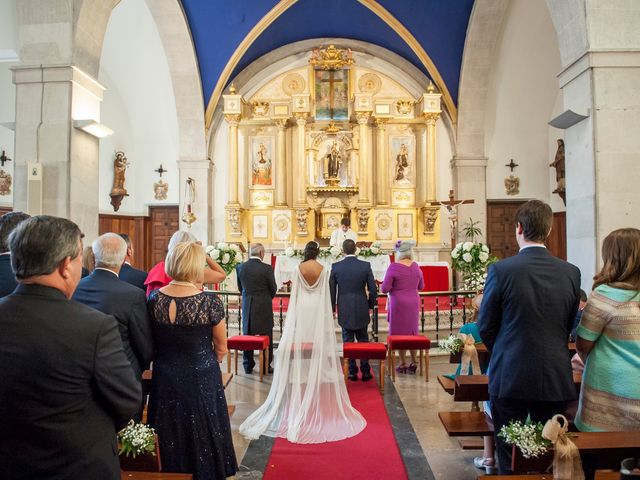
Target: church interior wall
[[523, 96], [7, 114], [139, 105]]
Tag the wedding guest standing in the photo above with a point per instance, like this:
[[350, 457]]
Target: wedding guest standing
[[257, 285], [609, 339], [66, 385], [8, 222], [128, 273], [88, 261], [187, 405], [402, 281], [528, 307]]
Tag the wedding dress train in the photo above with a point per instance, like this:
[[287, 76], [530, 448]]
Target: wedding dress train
[[308, 401]]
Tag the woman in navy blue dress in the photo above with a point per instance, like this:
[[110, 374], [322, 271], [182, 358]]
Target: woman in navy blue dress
[[187, 405]]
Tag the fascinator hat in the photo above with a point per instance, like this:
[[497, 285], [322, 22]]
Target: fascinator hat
[[404, 245]]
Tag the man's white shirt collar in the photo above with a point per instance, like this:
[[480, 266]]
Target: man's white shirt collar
[[107, 270], [537, 245]]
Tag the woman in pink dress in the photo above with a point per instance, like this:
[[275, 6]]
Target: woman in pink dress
[[402, 282]]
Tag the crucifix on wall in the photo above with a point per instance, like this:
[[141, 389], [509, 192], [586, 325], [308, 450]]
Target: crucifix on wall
[[4, 158]]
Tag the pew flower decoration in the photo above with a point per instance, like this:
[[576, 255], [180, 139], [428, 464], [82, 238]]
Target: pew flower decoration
[[226, 255], [472, 258], [452, 344], [137, 439], [526, 436]]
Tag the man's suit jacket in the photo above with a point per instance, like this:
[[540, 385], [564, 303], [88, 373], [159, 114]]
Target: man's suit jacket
[[257, 284], [133, 276], [347, 283], [528, 307], [7, 278], [105, 292], [66, 387]]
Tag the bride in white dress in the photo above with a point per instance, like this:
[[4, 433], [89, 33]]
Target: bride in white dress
[[308, 400]]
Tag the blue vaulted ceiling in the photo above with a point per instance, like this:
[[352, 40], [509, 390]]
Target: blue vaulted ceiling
[[219, 26]]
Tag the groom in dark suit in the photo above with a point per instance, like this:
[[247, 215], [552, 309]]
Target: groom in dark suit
[[349, 282], [528, 307], [257, 284]]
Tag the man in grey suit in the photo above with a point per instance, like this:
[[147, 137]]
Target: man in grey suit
[[257, 284], [349, 283], [528, 307], [66, 386]]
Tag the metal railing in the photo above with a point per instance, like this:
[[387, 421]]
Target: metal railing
[[455, 297]]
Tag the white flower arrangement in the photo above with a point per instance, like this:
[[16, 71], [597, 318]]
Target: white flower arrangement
[[373, 251], [472, 258], [452, 344], [137, 439], [526, 436], [227, 256]]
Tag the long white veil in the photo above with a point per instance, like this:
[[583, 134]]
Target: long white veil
[[308, 400]]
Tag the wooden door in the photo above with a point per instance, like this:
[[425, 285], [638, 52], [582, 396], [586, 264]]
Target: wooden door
[[164, 223], [557, 241], [501, 228], [137, 227]]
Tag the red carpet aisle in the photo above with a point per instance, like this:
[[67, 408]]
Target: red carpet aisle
[[373, 454]]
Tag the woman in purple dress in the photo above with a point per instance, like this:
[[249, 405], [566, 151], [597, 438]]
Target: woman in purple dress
[[402, 282]]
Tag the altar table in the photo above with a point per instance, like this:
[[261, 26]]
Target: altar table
[[286, 266]]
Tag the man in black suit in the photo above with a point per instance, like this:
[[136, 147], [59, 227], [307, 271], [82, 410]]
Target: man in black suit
[[528, 307], [66, 385], [257, 284], [104, 291], [349, 282], [8, 222], [128, 273]]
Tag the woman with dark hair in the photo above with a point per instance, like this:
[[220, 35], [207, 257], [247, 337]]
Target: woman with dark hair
[[609, 339], [308, 400]]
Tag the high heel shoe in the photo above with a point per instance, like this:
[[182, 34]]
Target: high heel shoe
[[412, 367], [487, 463], [402, 368]]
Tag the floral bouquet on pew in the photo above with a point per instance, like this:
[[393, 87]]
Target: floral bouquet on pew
[[226, 255], [452, 344], [526, 436], [137, 439]]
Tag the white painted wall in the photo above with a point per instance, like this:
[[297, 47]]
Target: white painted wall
[[7, 114], [139, 105], [523, 96]]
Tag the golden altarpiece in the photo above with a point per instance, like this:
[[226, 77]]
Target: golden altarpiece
[[328, 140]]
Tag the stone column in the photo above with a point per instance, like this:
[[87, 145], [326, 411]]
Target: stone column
[[233, 121], [365, 182], [48, 100], [382, 166], [281, 175], [200, 171], [299, 163], [470, 179], [432, 174]]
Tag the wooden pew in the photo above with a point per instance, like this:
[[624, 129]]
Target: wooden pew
[[447, 384], [154, 476], [599, 475], [466, 424], [483, 353]]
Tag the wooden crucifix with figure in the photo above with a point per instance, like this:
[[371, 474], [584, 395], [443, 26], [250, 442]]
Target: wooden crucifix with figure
[[452, 214]]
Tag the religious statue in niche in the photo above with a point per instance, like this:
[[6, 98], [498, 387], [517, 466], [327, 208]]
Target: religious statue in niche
[[402, 162], [5, 183], [333, 162], [118, 192]]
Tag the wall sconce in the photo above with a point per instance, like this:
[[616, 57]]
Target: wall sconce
[[94, 128]]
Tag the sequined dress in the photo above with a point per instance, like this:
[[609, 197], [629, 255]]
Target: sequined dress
[[187, 405]]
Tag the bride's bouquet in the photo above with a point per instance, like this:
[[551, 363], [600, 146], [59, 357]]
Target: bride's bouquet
[[226, 255]]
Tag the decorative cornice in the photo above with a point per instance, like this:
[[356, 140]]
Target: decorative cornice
[[233, 119], [431, 118]]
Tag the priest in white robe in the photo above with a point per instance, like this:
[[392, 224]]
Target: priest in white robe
[[343, 233]]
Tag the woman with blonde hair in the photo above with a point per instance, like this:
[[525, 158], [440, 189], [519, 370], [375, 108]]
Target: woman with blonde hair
[[609, 339], [187, 405], [158, 277]]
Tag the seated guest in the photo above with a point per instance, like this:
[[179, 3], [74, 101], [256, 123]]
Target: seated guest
[[159, 278], [129, 274], [8, 222], [88, 261], [609, 339], [66, 385], [402, 282], [104, 291], [187, 406]]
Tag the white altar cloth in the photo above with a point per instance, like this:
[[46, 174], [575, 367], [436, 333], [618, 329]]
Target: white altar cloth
[[285, 266]]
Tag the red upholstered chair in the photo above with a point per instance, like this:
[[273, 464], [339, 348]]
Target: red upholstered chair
[[370, 351], [249, 342], [408, 342]]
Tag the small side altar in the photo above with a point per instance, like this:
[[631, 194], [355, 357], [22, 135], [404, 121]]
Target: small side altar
[[285, 268]]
